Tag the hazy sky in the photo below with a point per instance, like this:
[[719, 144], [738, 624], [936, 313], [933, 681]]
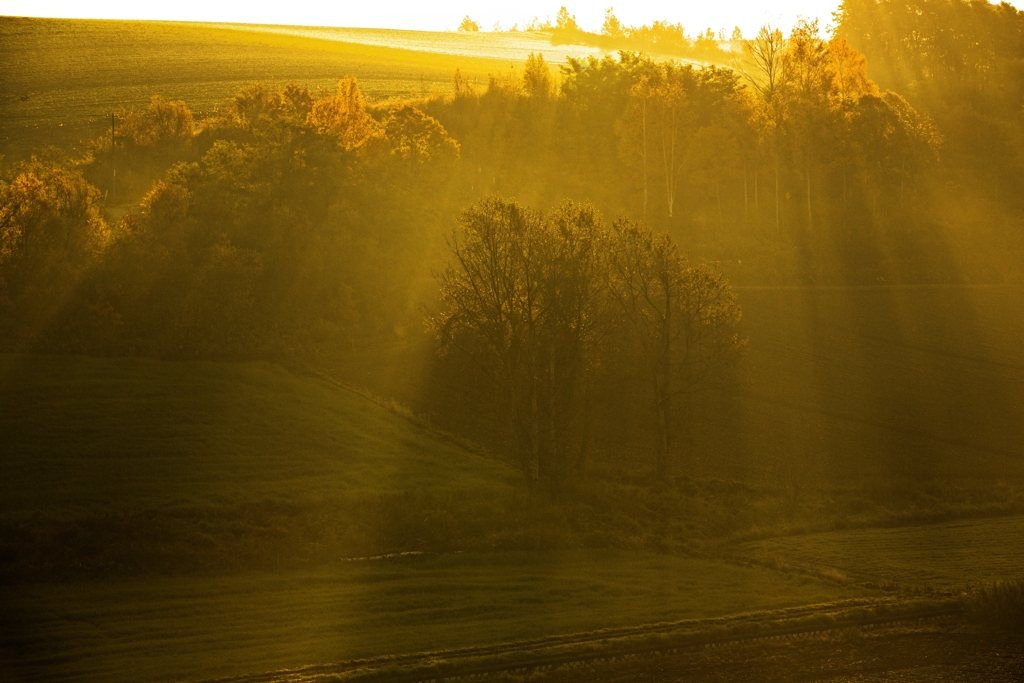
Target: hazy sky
[[436, 15]]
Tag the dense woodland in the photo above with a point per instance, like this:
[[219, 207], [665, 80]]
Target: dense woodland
[[617, 200]]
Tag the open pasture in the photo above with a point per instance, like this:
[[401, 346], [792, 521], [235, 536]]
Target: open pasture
[[508, 47], [948, 556], [166, 629]]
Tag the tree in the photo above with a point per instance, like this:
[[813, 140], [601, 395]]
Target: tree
[[522, 293], [765, 73], [49, 215], [537, 80], [715, 153], [635, 133], [681, 318], [850, 72], [492, 309], [162, 121], [344, 116], [765, 69], [612, 27], [575, 324], [51, 233], [565, 21], [672, 128], [413, 136], [850, 84], [810, 80], [468, 25], [892, 140]]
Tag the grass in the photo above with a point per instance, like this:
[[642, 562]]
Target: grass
[[952, 556], [117, 467], [166, 520], [999, 604], [128, 467], [172, 628], [170, 520], [62, 78], [130, 434]]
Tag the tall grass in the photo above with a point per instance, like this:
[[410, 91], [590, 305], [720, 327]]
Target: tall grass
[[998, 605]]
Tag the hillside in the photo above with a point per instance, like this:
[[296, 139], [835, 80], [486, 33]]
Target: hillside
[[62, 78], [131, 466], [312, 377], [203, 519], [135, 433]]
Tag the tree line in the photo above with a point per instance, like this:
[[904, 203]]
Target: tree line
[[273, 231], [960, 63], [295, 223]]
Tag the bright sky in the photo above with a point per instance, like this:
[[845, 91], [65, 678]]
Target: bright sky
[[437, 15]]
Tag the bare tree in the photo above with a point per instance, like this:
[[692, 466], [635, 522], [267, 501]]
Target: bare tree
[[492, 307], [682, 318], [765, 54], [523, 294], [765, 72]]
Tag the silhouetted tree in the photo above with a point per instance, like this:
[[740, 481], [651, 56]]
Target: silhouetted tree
[[681, 318]]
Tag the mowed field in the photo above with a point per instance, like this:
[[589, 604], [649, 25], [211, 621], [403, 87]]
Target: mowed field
[[112, 439], [166, 629], [61, 79], [947, 557]]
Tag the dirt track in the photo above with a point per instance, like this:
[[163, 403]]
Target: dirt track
[[929, 654], [935, 644]]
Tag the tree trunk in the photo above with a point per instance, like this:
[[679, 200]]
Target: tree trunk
[[534, 437], [665, 424], [810, 220], [718, 196], [520, 432], [778, 223], [746, 202], [581, 458], [643, 139], [664, 385], [668, 157]]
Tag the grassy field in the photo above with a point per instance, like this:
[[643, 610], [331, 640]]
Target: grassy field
[[950, 556], [175, 465], [62, 78], [128, 466], [93, 434], [172, 628], [180, 520]]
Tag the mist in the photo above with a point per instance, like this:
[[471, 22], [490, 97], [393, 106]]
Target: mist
[[365, 355]]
